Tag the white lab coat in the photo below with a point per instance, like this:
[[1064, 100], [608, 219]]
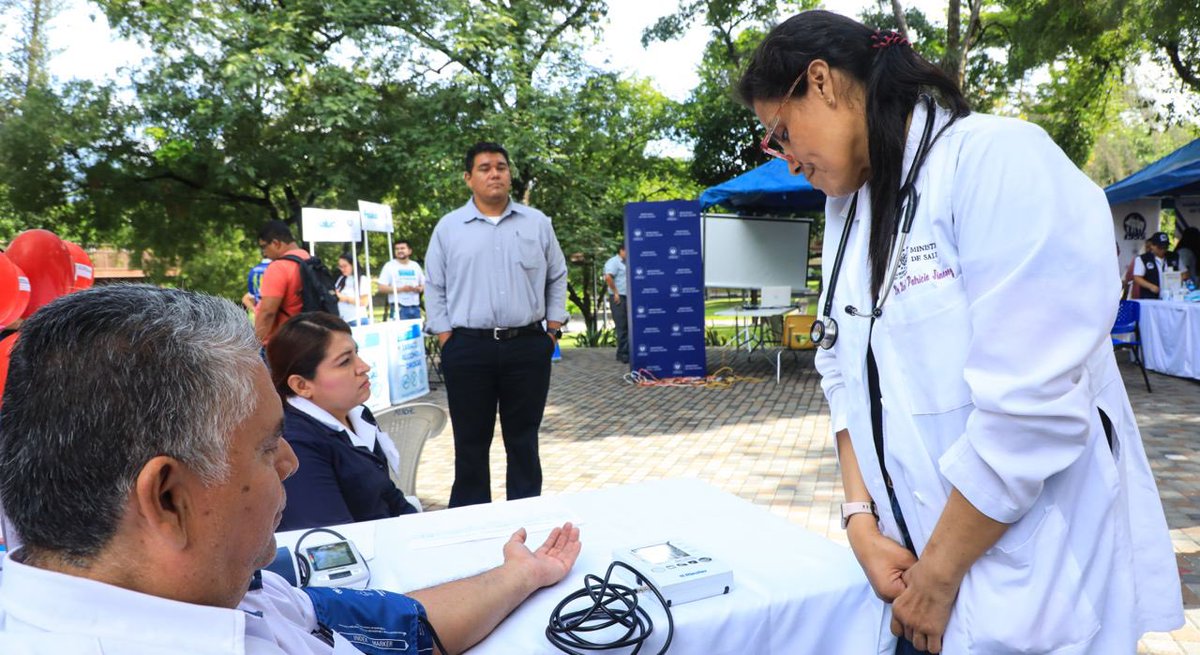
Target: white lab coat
[[994, 358], [47, 613]]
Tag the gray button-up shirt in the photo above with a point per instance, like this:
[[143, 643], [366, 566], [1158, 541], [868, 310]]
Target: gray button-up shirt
[[616, 267], [480, 275]]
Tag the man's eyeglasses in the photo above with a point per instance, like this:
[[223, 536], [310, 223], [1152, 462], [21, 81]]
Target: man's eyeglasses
[[765, 144]]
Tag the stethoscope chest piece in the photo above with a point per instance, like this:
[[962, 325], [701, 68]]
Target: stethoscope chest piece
[[824, 332]]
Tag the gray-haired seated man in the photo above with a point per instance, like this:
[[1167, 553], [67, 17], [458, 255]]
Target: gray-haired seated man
[[142, 463]]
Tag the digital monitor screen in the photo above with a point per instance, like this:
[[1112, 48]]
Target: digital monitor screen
[[659, 553], [331, 556]]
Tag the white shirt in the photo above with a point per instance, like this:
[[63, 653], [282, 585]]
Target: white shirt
[[48, 613], [994, 361], [408, 274], [350, 311], [364, 434]]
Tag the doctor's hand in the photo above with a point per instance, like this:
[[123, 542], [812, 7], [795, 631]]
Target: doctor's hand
[[549, 563], [922, 611], [884, 561]]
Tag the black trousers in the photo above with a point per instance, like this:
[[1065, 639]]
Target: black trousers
[[621, 325], [481, 375]]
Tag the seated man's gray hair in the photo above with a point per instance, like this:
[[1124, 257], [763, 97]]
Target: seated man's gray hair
[[100, 382]]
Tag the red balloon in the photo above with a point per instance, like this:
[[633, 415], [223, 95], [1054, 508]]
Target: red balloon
[[46, 262], [84, 271], [14, 291]]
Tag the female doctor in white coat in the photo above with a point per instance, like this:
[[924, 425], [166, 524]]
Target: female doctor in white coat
[[998, 494]]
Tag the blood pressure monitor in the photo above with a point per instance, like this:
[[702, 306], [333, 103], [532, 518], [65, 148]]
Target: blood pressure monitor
[[335, 564], [681, 572]]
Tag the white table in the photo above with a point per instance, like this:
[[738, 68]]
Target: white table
[[1171, 337], [794, 592], [753, 334]]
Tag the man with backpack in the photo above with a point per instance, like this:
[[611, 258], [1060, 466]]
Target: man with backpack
[[294, 282]]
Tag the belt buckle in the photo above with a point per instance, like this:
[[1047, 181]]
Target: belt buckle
[[496, 333]]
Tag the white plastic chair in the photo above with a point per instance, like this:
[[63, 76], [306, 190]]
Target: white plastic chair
[[409, 426]]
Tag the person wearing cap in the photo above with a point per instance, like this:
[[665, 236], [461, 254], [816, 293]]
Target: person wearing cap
[[1146, 266]]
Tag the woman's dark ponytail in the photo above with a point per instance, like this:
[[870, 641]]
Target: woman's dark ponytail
[[898, 76], [892, 75]]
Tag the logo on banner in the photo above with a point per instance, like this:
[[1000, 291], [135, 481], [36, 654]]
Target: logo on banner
[[637, 234], [327, 223], [677, 367], [642, 348], [674, 288], [673, 251], [671, 213], [1135, 227], [641, 311], [675, 328]]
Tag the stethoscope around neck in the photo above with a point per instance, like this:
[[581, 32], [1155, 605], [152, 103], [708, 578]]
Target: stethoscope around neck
[[825, 329]]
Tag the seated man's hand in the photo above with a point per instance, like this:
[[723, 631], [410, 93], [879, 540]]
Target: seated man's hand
[[549, 563]]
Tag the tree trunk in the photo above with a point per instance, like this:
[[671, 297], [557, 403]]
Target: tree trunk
[[901, 22], [953, 59]]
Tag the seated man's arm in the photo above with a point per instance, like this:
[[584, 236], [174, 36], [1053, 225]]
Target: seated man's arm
[[465, 611]]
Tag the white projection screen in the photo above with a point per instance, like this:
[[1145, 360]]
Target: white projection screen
[[752, 253]]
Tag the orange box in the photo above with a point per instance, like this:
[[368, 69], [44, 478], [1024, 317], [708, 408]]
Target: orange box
[[796, 330]]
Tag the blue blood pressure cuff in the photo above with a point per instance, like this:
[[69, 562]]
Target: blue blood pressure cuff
[[375, 622]]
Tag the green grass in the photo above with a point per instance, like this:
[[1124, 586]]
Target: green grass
[[711, 307]]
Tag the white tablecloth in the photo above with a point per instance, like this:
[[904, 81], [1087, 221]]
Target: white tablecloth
[[1171, 337], [794, 592]]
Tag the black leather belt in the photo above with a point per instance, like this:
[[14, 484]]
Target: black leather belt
[[500, 334]]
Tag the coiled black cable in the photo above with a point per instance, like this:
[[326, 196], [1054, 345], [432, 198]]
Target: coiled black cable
[[613, 604]]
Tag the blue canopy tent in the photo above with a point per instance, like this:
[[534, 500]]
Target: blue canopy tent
[[1177, 174], [768, 187]]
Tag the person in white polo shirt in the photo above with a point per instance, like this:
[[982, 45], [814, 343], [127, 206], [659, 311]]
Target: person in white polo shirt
[[404, 282]]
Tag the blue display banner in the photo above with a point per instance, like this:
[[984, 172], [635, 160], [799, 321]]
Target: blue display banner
[[666, 288]]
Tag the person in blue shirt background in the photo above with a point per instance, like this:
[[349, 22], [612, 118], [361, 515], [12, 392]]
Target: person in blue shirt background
[[253, 284]]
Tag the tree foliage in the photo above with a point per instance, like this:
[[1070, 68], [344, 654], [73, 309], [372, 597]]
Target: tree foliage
[[249, 110]]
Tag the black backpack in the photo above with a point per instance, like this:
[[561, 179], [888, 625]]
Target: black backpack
[[316, 285]]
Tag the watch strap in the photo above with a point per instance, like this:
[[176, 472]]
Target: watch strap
[[850, 509]]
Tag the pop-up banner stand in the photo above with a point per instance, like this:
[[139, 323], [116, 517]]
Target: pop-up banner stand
[[1133, 223], [392, 350], [375, 217], [408, 374], [666, 288]]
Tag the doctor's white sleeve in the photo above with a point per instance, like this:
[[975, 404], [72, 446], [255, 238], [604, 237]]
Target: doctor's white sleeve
[[834, 388], [1035, 239], [826, 361]]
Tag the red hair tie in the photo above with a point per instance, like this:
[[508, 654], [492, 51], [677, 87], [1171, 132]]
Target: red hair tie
[[881, 39]]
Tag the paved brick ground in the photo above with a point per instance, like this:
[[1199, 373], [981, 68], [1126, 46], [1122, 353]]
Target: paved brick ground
[[769, 444]]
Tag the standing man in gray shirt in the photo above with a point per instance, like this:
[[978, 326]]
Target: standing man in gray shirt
[[616, 279], [494, 272]]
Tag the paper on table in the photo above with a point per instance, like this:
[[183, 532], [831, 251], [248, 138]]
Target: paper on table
[[498, 529]]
